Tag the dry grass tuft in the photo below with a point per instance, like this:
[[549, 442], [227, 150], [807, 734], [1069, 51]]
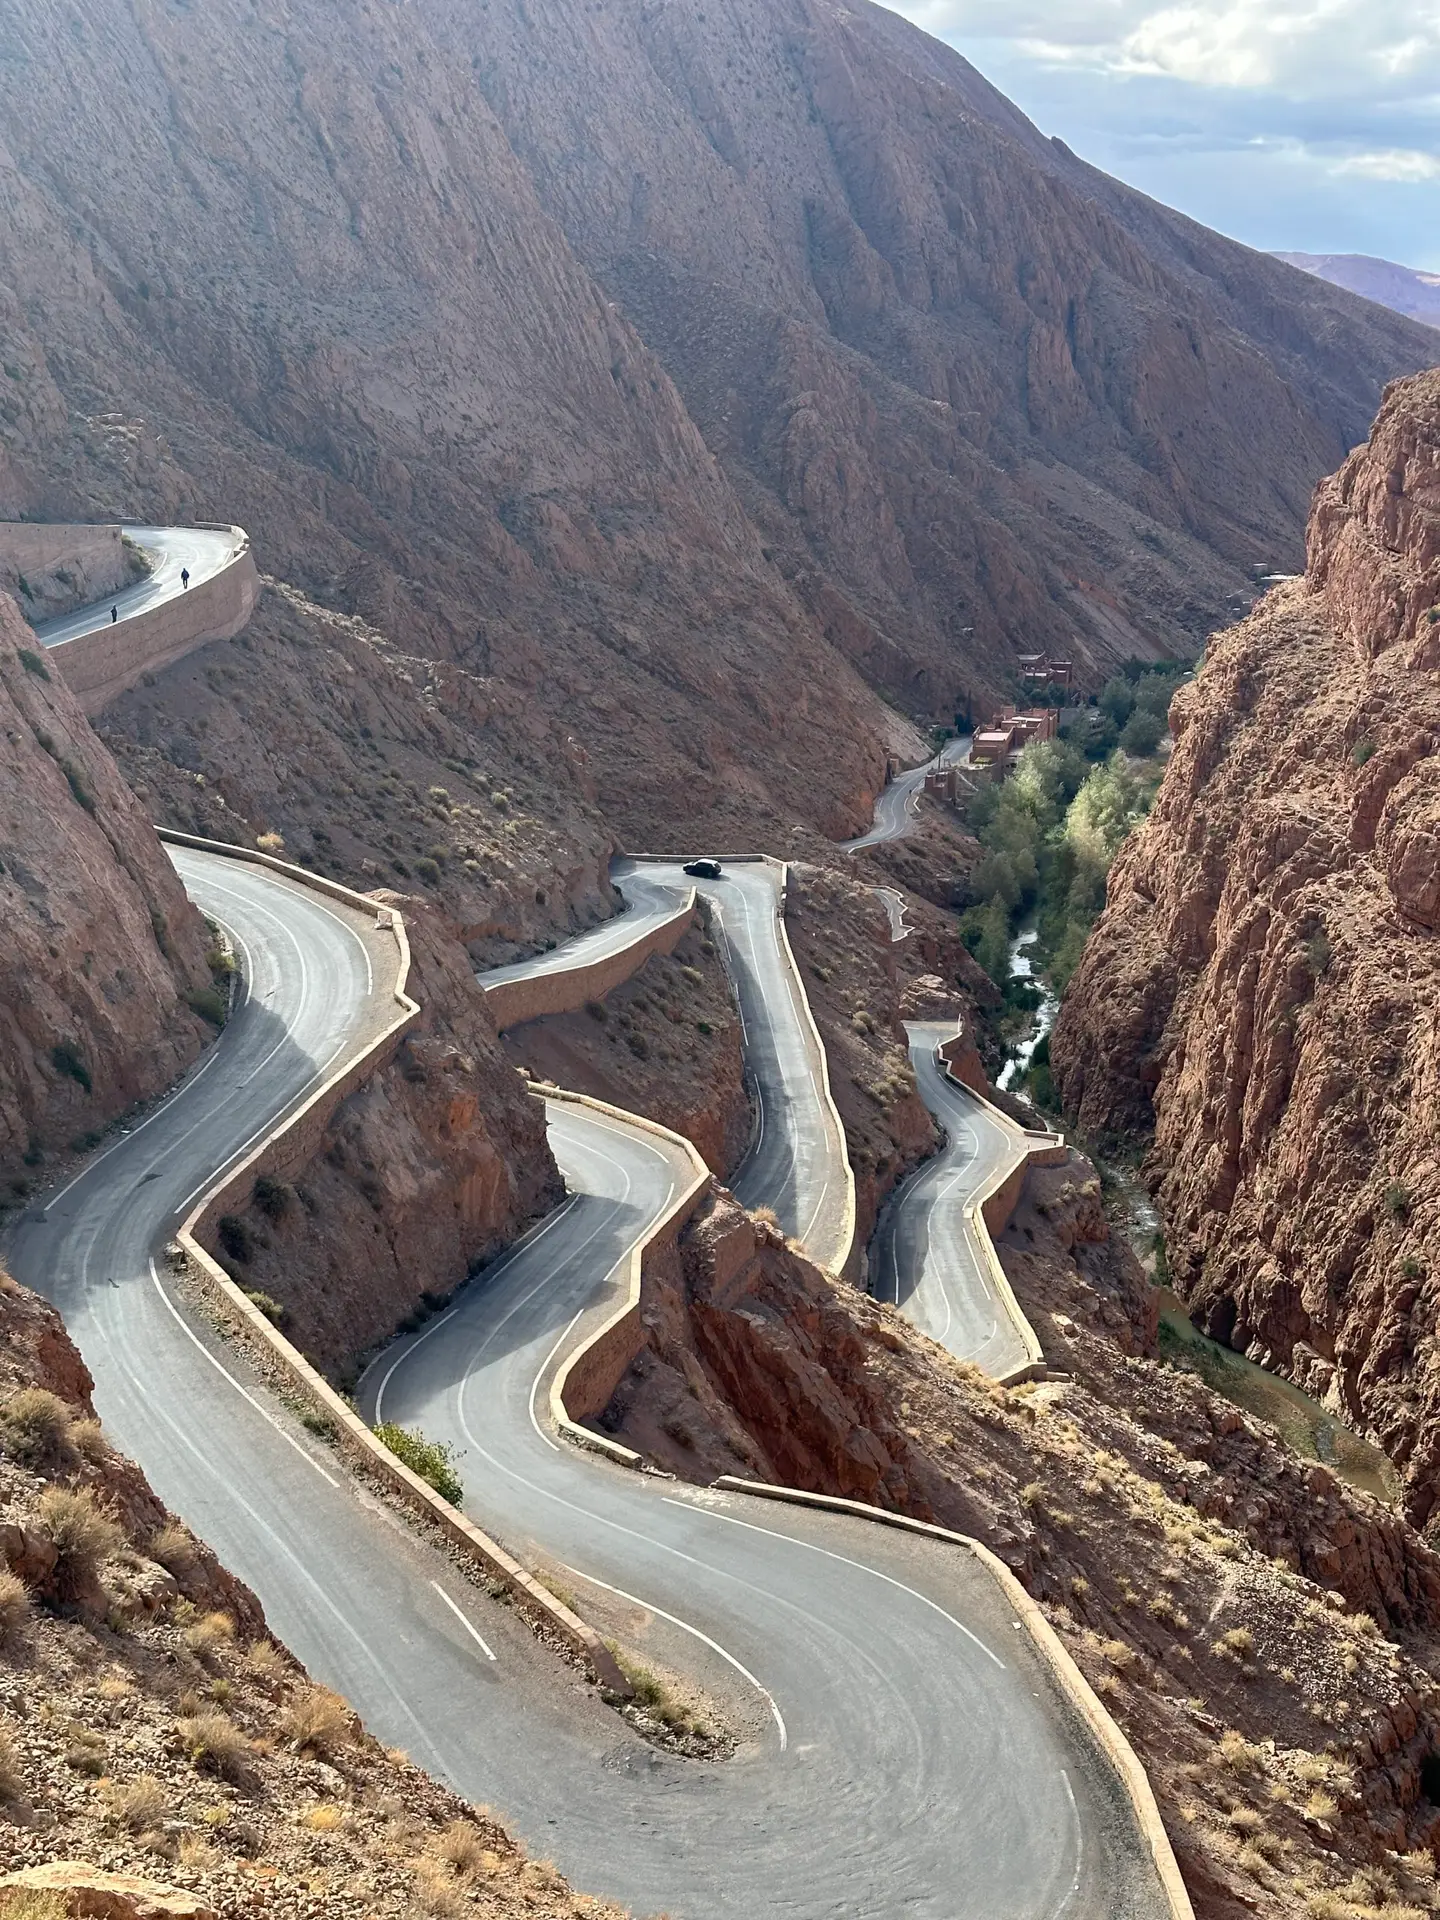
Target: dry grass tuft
[[87, 1437], [12, 1781], [318, 1722], [325, 1818], [82, 1534], [173, 1549], [14, 1608], [35, 1427], [435, 1890], [138, 1804], [209, 1634], [264, 1660], [34, 1903], [215, 1743], [461, 1847], [197, 1854]]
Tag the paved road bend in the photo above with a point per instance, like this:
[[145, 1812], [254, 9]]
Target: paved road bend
[[171, 550]]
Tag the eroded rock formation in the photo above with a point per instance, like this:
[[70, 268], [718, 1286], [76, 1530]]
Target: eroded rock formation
[[433, 1166], [1264, 986], [101, 946]]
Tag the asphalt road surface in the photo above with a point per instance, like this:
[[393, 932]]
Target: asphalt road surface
[[897, 804], [171, 550], [904, 1751], [909, 1753], [927, 1256], [797, 1160], [650, 900]]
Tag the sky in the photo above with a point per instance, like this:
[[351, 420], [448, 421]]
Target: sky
[[1308, 126]]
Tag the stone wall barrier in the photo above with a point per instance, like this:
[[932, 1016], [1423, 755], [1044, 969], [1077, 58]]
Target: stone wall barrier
[[100, 666]]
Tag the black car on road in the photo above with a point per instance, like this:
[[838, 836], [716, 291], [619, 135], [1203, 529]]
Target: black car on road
[[702, 869]]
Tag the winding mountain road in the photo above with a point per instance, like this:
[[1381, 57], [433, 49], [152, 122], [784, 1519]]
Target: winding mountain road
[[903, 1749], [928, 1258], [897, 804], [201, 551]]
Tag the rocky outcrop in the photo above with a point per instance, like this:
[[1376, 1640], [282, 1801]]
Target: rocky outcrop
[[101, 946], [1264, 986], [432, 1167], [667, 1044]]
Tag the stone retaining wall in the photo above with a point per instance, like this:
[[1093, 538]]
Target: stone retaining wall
[[100, 666], [567, 989]]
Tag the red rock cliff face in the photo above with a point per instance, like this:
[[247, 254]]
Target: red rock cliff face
[[100, 943], [1264, 986], [427, 1171]]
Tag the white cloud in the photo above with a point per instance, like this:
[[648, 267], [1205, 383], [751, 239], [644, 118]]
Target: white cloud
[[1391, 163], [1307, 124], [1300, 48]]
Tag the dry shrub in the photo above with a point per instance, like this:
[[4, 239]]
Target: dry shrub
[[14, 1608], [1237, 1644], [318, 1722], [461, 1847], [325, 1818], [1321, 1806], [435, 1891], [87, 1437], [215, 1743], [209, 1634], [138, 1804], [1237, 1752], [82, 1534], [34, 1903], [197, 1854], [35, 1427], [173, 1549]]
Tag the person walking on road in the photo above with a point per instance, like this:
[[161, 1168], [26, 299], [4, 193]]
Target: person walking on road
[[114, 615], [184, 576]]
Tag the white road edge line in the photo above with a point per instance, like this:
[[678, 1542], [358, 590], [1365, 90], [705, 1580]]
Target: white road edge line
[[685, 1627], [469, 1625], [778, 1533], [263, 1412], [535, 1384]]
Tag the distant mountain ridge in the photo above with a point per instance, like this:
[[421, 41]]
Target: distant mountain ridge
[[1404, 290]]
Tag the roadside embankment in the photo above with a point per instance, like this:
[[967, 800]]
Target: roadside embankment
[[102, 952]]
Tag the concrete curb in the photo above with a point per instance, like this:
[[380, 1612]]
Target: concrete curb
[[418, 1493], [1105, 1731], [845, 1251], [629, 1306]]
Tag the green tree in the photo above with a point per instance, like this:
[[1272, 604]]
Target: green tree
[[1142, 733]]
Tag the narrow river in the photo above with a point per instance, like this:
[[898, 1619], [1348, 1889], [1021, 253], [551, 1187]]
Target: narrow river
[[1022, 967]]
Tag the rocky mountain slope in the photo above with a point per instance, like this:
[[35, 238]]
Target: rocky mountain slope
[[150, 1727], [102, 951], [1404, 289], [1264, 986], [671, 367]]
